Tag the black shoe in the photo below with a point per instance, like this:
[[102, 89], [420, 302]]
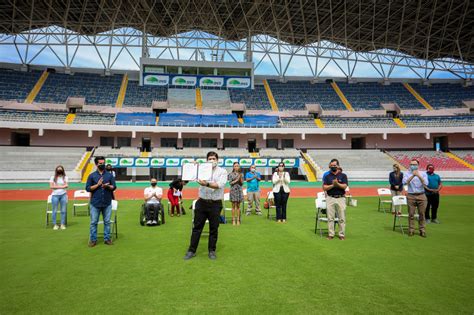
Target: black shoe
[[423, 234], [411, 233], [212, 255], [189, 255]]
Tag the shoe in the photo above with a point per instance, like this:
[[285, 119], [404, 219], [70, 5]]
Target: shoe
[[259, 212], [435, 221], [148, 222], [423, 234], [428, 221], [278, 221], [233, 221], [238, 222], [283, 221], [411, 233], [108, 242], [92, 243], [248, 213], [329, 238], [212, 255], [189, 255], [63, 227], [154, 222], [171, 215], [56, 227], [342, 237], [178, 215]]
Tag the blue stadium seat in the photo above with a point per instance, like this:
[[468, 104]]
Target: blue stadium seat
[[16, 85], [144, 95], [445, 95], [255, 99], [135, 119]]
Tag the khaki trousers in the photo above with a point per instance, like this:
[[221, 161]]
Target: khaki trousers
[[340, 204], [253, 196], [416, 202]]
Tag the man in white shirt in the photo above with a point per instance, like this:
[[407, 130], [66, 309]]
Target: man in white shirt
[[208, 207], [152, 196]]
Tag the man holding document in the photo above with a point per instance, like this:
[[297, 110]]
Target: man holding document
[[212, 180]]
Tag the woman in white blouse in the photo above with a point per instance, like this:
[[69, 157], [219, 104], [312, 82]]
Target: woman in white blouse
[[281, 191], [58, 183]]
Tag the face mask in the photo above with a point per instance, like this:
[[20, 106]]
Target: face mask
[[214, 163], [109, 170], [333, 168], [430, 171], [60, 172], [281, 168], [252, 170], [101, 167], [153, 184], [413, 167]]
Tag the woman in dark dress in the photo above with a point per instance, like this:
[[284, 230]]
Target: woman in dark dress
[[236, 194]]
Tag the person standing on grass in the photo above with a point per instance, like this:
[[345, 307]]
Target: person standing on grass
[[432, 194], [208, 207], [236, 194], [58, 183], [416, 198], [253, 179], [101, 185], [335, 184], [396, 183], [175, 195], [281, 191]]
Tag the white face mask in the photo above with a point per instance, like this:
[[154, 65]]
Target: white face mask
[[214, 163]]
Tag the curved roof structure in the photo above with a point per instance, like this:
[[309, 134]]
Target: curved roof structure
[[427, 29]]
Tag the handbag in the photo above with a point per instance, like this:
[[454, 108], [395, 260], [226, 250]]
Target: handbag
[[266, 204]]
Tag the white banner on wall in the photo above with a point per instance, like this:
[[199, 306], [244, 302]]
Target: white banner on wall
[[184, 80], [211, 81], [152, 79], [238, 83]]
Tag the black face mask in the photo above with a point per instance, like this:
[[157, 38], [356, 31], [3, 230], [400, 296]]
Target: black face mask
[[153, 184], [333, 168], [60, 172], [101, 167], [109, 170]]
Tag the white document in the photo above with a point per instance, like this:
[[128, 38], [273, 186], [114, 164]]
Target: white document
[[193, 172]]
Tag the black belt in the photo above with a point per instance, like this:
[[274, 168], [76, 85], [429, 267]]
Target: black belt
[[416, 194], [210, 200], [336, 196]]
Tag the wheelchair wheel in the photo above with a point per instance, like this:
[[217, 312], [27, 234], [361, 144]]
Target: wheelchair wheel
[[162, 210], [142, 216]]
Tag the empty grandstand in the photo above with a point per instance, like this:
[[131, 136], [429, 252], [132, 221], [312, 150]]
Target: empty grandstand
[[144, 96], [255, 99], [445, 95], [16, 85]]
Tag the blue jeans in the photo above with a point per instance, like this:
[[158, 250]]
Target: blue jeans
[[62, 201], [95, 213]]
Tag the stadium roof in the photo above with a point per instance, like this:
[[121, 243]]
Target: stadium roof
[[427, 29]]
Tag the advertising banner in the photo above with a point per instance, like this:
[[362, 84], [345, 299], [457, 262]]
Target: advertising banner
[[197, 80]]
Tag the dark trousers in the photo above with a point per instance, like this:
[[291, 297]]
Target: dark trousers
[[205, 211], [433, 204], [152, 210], [281, 199]]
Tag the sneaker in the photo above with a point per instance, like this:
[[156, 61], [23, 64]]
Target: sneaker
[[428, 221], [154, 222], [411, 233], [189, 255], [56, 227], [108, 242], [248, 213], [435, 221], [212, 255], [423, 234], [283, 221], [259, 212], [342, 237], [92, 243], [63, 227], [278, 221], [148, 222], [329, 238]]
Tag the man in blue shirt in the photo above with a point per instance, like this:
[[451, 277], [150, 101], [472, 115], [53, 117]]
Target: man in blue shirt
[[335, 184], [416, 198], [253, 179], [101, 185], [432, 194]]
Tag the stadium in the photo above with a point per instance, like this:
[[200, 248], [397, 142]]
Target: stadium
[[152, 86]]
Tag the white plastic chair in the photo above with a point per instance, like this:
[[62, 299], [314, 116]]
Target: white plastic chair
[[192, 219], [383, 194], [400, 201], [81, 199], [113, 218], [270, 199], [49, 210]]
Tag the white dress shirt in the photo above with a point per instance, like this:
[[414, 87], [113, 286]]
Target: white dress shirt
[[219, 177], [278, 182], [150, 190], [416, 185]]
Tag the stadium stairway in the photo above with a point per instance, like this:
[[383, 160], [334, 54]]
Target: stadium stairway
[[198, 99], [342, 96], [35, 90], [309, 168], [399, 122], [87, 172], [70, 118], [418, 96], [458, 159], [271, 99], [84, 160], [122, 92], [318, 123]]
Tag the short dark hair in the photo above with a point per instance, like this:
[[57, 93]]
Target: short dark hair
[[417, 162], [281, 164], [98, 158], [428, 166], [212, 153], [334, 160]]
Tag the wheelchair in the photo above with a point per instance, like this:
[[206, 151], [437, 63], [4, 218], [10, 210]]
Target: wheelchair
[[161, 215]]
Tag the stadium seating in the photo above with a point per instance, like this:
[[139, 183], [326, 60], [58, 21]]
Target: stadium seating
[[357, 164], [440, 160], [96, 89], [369, 95], [37, 164], [339, 122], [274, 153], [144, 95], [135, 119], [219, 120], [32, 116], [445, 95], [293, 95], [182, 98], [117, 152], [94, 119], [255, 99], [441, 121], [178, 119], [16, 85], [466, 155], [215, 99], [298, 122], [261, 121]]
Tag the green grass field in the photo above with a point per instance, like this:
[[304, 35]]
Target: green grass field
[[262, 266]]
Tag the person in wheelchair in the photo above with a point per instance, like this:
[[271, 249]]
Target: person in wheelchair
[[153, 207]]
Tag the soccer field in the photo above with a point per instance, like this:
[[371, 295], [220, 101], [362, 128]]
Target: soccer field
[[262, 266]]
